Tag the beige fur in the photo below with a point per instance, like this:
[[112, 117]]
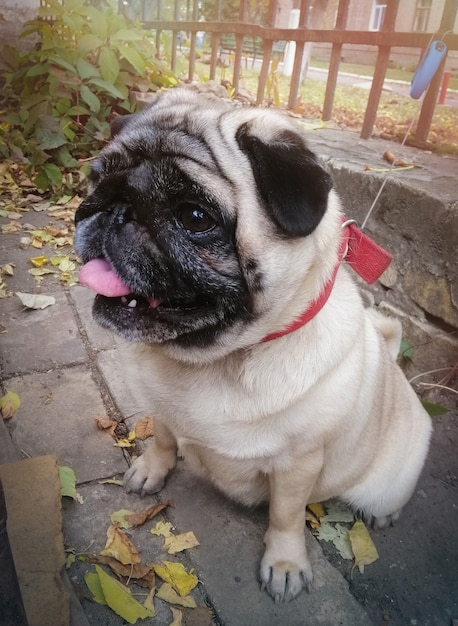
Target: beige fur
[[322, 412]]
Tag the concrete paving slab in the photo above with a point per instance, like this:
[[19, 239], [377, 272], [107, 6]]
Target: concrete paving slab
[[85, 531], [109, 363], [32, 492], [38, 340], [99, 338], [57, 417], [228, 558]]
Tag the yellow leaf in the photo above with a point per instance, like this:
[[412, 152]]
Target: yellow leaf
[[38, 261], [162, 528], [92, 580], [178, 543], [71, 558], [168, 594], [176, 575], [362, 545], [119, 599], [148, 603], [123, 443], [177, 617], [120, 547], [119, 518], [9, 404]]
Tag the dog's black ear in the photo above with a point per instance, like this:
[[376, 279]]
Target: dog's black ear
[[119, 122], [292, 184]]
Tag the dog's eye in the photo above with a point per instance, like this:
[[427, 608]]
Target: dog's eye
[[195, 219]]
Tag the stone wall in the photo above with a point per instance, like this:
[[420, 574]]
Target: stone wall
[[13, 15], [416, 219]]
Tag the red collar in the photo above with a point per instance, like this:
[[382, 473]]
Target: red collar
[[368, 260]]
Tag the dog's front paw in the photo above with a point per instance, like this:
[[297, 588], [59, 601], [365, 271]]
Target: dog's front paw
[[285, 577], [147, 474]]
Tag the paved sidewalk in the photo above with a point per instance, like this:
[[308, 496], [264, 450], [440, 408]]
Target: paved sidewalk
[[65, 370]]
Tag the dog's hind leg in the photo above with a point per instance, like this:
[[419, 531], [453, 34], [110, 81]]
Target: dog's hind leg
[[147, 474]]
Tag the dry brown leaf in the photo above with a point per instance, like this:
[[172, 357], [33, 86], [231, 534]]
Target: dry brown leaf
[[142, 574], [103, 423], [137, 519], [389, 156], [120, 547], [144, 428], [200, 616]]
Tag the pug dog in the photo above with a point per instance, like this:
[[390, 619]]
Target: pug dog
[[214, 241]]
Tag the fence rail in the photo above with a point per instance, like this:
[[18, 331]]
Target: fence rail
[[385, 39]]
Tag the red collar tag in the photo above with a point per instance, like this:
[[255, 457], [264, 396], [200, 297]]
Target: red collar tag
[[368, 260]]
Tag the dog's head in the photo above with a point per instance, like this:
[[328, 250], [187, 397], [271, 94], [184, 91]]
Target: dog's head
[[198, 211]]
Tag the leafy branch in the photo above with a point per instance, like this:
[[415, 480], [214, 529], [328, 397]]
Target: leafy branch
[[57, 99]]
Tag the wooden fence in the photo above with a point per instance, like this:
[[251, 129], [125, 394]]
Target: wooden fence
[[385, 39]]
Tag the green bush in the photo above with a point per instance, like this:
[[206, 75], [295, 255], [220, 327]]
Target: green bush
[[57, 99]]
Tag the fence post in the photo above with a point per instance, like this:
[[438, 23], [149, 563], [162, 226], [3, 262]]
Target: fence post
[[267, 57], [334, 62], [297, 66], [380, 71], [430, 99]]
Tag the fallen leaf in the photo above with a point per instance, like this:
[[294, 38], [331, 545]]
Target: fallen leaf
[[148, 603], [104, 423], [9, 404], [144, 428], [178, 543], [8, 269], [123, 443], [112, 481], [168, 594], [94, 585], [67, 482], [176, 575], [177, 617], [137, 519], [362, 545], [162, 528], [142, 574], [313, 514], [41, 271], [71, 558], [337, 511], [338, 535], [35, 300], [119, 599], [120, 547], [200, 616], [119, 518], [38, 261]]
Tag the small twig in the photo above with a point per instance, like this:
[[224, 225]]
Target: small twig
[[442, 369], [436, 386]]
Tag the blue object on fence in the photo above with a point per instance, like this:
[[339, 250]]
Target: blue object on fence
[[428, 66]]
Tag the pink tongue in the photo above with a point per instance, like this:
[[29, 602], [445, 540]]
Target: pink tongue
[[99, 276]]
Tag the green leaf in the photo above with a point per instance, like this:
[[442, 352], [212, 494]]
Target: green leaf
[[406, 349], [111, 89], [67, 482], [86, 69], [109, 66], [126, 35], [64, 64], [88, 43], [434, 410], [119, 599], [53, 173], [90, 98], [48, 133], [92, 580], [134, 58]]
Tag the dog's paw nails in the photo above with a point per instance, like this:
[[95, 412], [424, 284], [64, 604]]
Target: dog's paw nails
[[277, 598], [263, 586]]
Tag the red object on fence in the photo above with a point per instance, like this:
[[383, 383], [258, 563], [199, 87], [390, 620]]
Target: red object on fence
[[444, 87]]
